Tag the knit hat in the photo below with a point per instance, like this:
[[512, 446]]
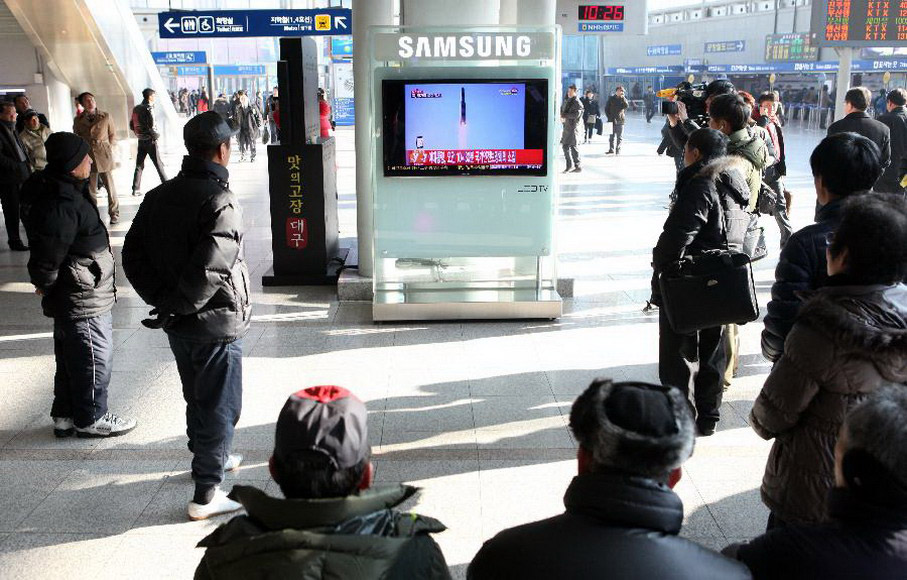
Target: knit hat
[[65, 151], [28, 114]]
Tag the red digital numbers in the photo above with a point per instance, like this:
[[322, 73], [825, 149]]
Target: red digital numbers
[[601, 12]]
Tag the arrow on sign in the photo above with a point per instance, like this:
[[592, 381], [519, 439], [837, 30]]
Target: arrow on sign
[[340, 22], [170, 25], [740, 46]]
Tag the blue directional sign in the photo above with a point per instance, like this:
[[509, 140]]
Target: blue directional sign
[[192, 71], [342, 48], [180, 57], [664, 50], [600, 27], [240, 70], [240, 23], [726, 46]]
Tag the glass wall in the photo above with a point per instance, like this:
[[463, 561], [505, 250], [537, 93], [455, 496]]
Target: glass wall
[[580, 61]]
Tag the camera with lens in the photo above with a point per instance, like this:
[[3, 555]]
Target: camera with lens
[[692, 96]]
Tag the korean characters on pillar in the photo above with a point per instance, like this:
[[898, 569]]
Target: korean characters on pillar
[[296, 231]]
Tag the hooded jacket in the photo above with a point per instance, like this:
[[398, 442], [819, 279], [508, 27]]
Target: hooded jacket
[[615, 526], [847, 341], [359, 536], [750, 147]]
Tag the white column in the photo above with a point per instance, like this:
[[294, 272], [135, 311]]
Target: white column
[[537, 12], [447, 13], [508, 13], [842, 81], [365, 13]]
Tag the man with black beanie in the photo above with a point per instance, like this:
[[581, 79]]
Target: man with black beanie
[[14, 170], [72, 268]]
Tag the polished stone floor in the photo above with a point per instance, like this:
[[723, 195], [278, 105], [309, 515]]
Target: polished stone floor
[[474, 413]]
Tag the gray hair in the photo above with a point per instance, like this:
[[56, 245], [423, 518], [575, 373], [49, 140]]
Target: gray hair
[[878, 426]]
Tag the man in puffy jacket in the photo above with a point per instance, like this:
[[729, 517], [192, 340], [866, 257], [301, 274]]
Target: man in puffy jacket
[[333, 522], [183, 255], [142, 125], [622, 517], [72, 268]]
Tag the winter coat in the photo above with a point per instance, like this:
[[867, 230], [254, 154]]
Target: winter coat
[[801, 269], [571, 113], [184, 256], [98, 131], [142, 122], [615, 109], [667, 144], [896, 121], [746, 144], [590, 107], [14, 166], [20, 121], [709, 201], [862, 540], [222, 108], [359, 536], [861, 123], [615, 526], [324, 114], [33, 141], [846, 342], [247, 119], [71, 261]]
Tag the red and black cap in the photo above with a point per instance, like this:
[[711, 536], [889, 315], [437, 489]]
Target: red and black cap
[[325, 420]]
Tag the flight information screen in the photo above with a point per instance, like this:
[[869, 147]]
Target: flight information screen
[[861, 22]]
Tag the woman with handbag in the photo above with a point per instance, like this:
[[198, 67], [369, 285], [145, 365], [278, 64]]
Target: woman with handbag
[[711, 195], [590, 114]]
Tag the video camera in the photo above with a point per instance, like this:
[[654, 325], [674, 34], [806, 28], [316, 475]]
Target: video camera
[[692, 96]]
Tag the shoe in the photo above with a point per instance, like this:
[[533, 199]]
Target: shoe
[[18, 246], [136, 192], [233, 462], [609, 152], [63, 427], [705, 428], [252, 159], [114, 219], [568, 170], [109, 425], [219, 504], [617, 152], [576, 169]]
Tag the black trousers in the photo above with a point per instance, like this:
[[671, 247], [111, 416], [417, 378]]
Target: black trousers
[[676, 353], [619, 134], [590, 127], [9, 201], [570, 152], [211, 374], [246, 143], [147, 149], [83, 350], [650, 112]]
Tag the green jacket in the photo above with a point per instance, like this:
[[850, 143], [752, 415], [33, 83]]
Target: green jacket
[[357, 536], [746, 144]]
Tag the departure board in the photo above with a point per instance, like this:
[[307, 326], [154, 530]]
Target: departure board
[[795, 47], [860, 22]]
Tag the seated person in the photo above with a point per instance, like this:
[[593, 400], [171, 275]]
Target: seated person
[[622, 518], [867, 534], [333, 523]]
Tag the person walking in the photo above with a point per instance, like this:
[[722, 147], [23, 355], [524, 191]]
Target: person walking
[[14, 170], [96, 128], [324, 114], [33, 136], [590, 114], [774, 173], [221, 106], [270, 108], [184, 257], [144, 128], [248, 121], [856, 120], [649, 102], [896, 121], [615, 111], [73, 270], [571, 114], [203, 103]]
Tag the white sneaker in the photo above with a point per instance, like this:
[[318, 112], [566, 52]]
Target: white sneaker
[[63, 426], [219, 504], [109, 425], [233, 462]]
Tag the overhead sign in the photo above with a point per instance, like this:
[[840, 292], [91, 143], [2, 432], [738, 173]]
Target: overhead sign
[[725, 46], [645, 70], [191, 71], [860, 23], [629, 17], [240, 70], [342, 47], [178, 57], [241, 23], [664, 50], [464, 46], [798, 46], [760, 68]]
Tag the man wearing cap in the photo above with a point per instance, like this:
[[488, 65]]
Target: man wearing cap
[[72, 268], [183, 255], [332, 523], [14, 170], [622, 517]]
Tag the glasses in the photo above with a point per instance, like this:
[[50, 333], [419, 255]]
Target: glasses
[[829, 238]]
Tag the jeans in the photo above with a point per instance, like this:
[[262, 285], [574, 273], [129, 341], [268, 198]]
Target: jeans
[[619, 134], [211, 374], [650, 112], [780, 212], [246, 143], [571, 151], [676, 355], [83, 350], [275, 133], [9, 201], [149, 149], [590, 127], [106, 178]]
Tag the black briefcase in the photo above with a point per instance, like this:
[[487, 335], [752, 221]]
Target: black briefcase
[[708, 290]]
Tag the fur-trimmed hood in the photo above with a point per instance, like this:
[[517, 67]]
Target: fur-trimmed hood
[[729, 171]]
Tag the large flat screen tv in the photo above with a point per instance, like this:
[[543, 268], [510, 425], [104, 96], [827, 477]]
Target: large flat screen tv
[[465, 127]]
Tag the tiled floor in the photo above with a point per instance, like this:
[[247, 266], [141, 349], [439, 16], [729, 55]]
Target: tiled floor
[[474, 413]]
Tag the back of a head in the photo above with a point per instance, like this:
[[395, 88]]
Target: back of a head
[[847, 162], [873, 231], [858, 97], [710, 143], [897, 97], [719, 87], [634, 428], [730, 108]]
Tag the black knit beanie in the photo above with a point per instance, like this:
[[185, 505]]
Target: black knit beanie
[[65, 151]]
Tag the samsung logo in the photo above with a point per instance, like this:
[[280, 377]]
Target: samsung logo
[[481, 46]]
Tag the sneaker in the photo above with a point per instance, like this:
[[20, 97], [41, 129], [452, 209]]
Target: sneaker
[[609, 152], [233, 462], [114, 219], [568, 170], [136, 192], [63, 427], [219, 504], [109, 425], [576, 169]]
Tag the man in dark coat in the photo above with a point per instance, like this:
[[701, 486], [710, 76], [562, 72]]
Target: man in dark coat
[[615, 111], [571, 117], [142, 124], [649, 101], [866, 536], [858, 121], [72, 268], [333, 522], [14, 170], [842, 165], [622, 517], [183, 255], [896, 121]]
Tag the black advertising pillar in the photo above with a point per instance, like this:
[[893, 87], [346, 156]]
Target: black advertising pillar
[[302, 178]]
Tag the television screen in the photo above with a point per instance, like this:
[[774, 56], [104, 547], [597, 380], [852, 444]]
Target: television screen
[[465, 127]]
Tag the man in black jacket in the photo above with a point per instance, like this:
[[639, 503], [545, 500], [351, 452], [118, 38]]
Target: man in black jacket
[[622, 517], [72, 268], [142, 125], [842, 165], [866, 536], [183, 255], [858, 121], [896, 121], [615, 112], [14, 170]]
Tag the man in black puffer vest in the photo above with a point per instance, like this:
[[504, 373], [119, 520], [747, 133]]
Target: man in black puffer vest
[[72, 268], [183, 255]]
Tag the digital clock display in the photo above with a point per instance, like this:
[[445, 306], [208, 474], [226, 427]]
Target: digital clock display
[[601, 12]]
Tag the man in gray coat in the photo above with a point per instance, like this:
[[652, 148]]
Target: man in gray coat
[[571, 116]]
